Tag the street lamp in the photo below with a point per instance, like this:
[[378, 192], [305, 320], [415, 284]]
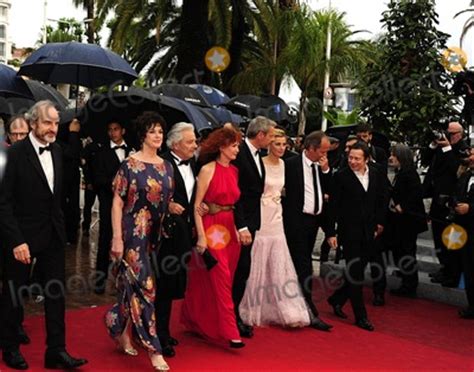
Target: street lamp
[[327, 72]]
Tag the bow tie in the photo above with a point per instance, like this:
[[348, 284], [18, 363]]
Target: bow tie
[[257, 153], [123, 147], [43, 149], [184, 162]]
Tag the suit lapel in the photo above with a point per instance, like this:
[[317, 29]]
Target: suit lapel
[[300, 175], [251, 160], [34, 160], [357, 181], [57, 167]]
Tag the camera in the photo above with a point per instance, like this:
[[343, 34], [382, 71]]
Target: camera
[[439, 135], [449, 202]]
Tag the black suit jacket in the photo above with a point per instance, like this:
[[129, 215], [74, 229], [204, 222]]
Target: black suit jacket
[[106, 166], [251, 184], [29, 212], [357, 212], [293, 200], [463, 195], [407, 192]]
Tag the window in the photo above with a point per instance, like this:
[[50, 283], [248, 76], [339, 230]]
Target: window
[[2, 49], [3, 33], [3, 11]]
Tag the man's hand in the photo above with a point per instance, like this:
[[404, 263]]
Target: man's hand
[[202, 210], [443, 143], [245, 237], [332, 241], [22, 253], [462, 208], [176, 208], [378, 231], [398, 209], [324, 163], [74, 125]]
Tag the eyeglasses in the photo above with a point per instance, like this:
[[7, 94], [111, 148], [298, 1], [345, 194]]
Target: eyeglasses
[[453, 133], [19, 134]]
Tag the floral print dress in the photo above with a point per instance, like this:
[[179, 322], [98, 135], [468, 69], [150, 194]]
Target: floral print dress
[[146, 190]]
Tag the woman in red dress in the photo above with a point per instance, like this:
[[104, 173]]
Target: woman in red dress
[[208, 308]]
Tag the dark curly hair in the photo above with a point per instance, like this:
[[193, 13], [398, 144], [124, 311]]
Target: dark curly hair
[[146, 121], [220, 137]]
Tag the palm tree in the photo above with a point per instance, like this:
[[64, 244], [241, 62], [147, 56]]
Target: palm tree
[[468, 24], [305, 56], [88, 5]]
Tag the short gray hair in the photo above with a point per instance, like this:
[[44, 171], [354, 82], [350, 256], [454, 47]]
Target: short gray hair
[[259, 124], [176, 133], [314, 139], [33, 113]]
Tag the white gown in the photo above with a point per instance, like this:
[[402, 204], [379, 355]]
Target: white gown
[[272, 294]]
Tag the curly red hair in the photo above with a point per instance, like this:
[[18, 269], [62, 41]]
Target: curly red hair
[[221, 137]]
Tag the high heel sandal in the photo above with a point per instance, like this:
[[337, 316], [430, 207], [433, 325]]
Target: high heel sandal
[[161, 364], [126, 350]]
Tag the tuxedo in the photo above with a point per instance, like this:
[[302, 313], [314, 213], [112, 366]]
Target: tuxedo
[[107, 163], [247, 213], [31, 213], [403, 228], [357, 212], [175, 250], [301, 228]]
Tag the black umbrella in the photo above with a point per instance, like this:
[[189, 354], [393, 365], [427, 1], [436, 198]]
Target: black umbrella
[[342, 131], [87, 65], [184, 92], [41, 91], [125, 107], [272, 107], [213, 95], [12, 85]]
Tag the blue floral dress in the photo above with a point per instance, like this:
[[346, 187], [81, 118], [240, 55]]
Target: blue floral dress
[[146, 190]]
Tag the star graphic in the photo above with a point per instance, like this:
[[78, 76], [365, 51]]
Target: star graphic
[[217, 60], [218, 237], [454, 59], [454, 237]]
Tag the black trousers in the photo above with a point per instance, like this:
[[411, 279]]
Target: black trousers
[[89, 200], [241, 275], [449, 259], [50, 266], [105, 237], [378, 268], [301, 240], [404, 254], [71, 208], [352, 287], [163, 314], [467, 256]]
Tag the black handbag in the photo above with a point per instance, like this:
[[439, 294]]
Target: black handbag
[[209, 260]]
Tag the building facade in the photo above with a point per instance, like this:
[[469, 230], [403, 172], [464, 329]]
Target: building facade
[[5, 47]]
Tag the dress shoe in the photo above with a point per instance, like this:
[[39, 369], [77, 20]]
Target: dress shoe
[[168, 351], [337, 309], [14, 359], [466, 313], [364, 324], [22, 336], [172, 341], [236, 344], [320, 325], [378, 300], [404, 292], [244, 330], [62, 360]]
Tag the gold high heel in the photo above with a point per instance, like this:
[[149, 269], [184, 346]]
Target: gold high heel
[[126, 350], [161, 364]]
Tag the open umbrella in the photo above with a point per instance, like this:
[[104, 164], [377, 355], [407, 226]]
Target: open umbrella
[[184, 92], [272, 107], [87, 65], [40, 91], [12, 85], [221, 115], [213, 95], [126, 106]]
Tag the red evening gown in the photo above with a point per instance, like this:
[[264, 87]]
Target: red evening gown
[[208, 308]]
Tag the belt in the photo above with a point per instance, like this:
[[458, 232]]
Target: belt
[[216, 208]]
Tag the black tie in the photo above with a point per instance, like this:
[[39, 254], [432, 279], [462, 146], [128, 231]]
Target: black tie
[[257, 153], [43, 149], [315, 187], [123, 147], [184, 162]]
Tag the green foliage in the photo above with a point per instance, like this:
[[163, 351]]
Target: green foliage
[[67, 29], [340, 118], [405, 93]]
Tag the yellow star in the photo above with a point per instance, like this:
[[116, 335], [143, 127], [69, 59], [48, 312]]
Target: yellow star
[[454, 237]]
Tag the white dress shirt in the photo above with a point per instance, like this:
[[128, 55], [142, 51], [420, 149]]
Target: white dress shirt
[[470, 182], [120, 152], [309, 197], [363, 178], [254, 151], [46, 160], [187, 173]]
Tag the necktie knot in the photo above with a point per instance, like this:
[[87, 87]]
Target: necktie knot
[[45, 148]]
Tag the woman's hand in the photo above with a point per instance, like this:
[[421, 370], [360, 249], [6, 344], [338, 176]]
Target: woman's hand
[[116, 251], [175, 208], [201, 244]]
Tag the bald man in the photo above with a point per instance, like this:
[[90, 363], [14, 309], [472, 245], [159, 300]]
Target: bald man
[[443, 158]]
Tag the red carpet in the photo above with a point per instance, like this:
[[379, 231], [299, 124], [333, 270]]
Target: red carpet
[[410, 335]]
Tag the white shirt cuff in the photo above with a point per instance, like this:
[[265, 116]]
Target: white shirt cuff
[[446, 148]]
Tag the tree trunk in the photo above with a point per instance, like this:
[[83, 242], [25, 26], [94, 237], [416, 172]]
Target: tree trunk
[[193, 43], [90, 25], [302, 114], [239, 30]]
